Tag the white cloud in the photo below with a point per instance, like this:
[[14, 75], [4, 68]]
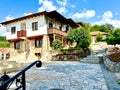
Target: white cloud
[[40, 1], [84, 14], [2, 30], [46, 5], [115, 23], [72, 6], [62, 10], [9, 17], [107, 15], [107, 18], [62, 6], [62, 2]]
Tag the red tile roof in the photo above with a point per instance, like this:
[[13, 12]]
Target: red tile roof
[[5, 50], [97, 32]]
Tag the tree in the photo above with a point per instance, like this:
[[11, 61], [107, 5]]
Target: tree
[[106, 28], [81, 36], [116, 34], [111, 40], [95, 28], [70, 36], [114, 37], [103, 28], [57, 44]]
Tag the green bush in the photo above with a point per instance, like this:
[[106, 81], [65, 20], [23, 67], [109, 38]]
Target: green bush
[[2, 38], [4, 44], [99, 37], [71, 48], [57, 44], [79, 51], [64, 52]]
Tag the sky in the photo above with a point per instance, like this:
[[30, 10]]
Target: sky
[[90, 11]]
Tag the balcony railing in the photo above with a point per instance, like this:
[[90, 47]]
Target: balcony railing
[[21, 33], [56, 31]]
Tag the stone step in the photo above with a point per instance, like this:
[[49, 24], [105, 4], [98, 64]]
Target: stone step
[[10, 66], [92, 56], [91, 59]]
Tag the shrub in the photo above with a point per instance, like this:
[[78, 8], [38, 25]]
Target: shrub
[[99, 37], [4, 44], [79, 51], [57, 44], [64, 52]]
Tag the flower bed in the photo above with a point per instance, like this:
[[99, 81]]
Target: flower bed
[[115, 57]]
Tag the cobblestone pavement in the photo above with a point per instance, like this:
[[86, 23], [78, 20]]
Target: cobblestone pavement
[[66, 75]]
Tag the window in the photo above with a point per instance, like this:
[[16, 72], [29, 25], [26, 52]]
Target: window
[[13, 30], [67, 28], [35, 26], [17, 45], [23, 26], [60, 27], [38, 43], [50, 25]]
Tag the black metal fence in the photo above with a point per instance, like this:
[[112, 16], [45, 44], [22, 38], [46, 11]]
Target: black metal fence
[[19, 78]]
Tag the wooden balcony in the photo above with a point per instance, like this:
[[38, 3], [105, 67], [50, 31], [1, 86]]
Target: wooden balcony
[[21, 33], [56, 31]]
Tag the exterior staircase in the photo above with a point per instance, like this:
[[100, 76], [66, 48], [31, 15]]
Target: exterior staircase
[[93, 59]]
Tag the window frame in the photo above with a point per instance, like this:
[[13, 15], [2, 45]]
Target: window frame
[[50, 25], [23, 26], [13, 30], [17, 45], [34, 26], [38, 43]]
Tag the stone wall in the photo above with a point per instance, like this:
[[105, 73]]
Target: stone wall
[[112, 66], [66, 57]]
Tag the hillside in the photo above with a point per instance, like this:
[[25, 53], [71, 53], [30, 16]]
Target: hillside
[[3, 42]]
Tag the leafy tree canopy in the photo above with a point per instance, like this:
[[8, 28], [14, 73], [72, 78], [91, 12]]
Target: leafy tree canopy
[[81, 36], [57, 44], [114, 37]]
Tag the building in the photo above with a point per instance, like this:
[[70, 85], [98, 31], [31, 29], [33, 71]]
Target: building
[[4, 53], [94, 35], [32, 35]]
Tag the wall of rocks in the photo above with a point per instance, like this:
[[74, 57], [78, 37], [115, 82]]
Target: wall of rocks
[[66, 57], [112, 66]]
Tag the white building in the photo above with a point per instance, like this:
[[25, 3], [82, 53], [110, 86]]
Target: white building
[[33, 34]]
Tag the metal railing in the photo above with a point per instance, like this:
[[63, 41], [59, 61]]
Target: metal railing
[[19, 78]]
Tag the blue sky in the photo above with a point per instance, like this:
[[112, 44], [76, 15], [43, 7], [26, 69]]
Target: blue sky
[[91, 11]]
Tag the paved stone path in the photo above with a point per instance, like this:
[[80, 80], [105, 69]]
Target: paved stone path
[[110, 78], [66, 75]]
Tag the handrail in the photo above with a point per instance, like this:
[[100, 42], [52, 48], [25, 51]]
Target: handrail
[[22, 72]]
